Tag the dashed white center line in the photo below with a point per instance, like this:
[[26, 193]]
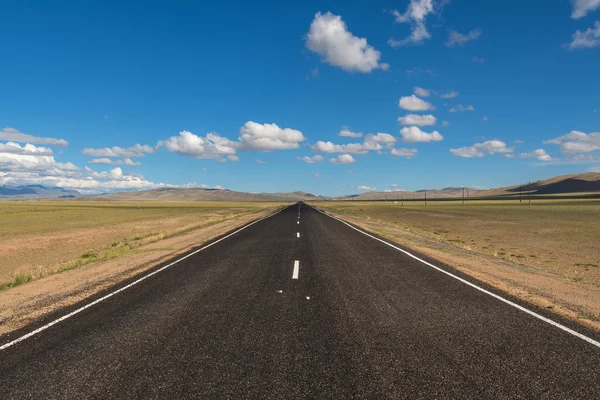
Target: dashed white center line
[[298, 222], [296, 268], [298, 234]]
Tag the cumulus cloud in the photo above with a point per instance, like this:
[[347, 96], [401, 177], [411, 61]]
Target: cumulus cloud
[[32, 159], [211, 146], [233, 158], [417, 120], [311, 160], [346, 132], [449, 95], [342, 159], [329, 37], [458, 39], [539, 154], [413, 103], [445, 123], [108, 161], [351, 148], [13, 135], [461, 108], [367, 188], [414, 134], [267, 137], [135, 151], [419, 91], [481, 149], [577, 142], [586, 39], [381, 138], [406, 153], [415, 15], [26, 150], [582, 7]]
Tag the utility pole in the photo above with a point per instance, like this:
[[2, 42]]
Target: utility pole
[[468, 198], [520, 198], [463, 195], [426, 198], [529, 194]]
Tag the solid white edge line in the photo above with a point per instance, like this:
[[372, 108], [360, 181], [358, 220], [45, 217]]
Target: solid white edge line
[[296, 269], [56, 321], [297, 234], [510, 303]]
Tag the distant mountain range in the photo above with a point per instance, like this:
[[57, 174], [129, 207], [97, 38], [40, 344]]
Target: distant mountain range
[[197, 194], [576, 184], [31, 192]]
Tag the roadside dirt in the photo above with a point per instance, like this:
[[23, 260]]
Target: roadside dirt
[[574, 300], [25, 303]]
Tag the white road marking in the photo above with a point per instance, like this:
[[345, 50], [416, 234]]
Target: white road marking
[[298, 234], [280, 291], [298, 222], [307, 297], [296, 268], [474, 286], [101, 299]]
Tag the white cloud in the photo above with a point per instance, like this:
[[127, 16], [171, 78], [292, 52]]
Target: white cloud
[[351, 148], [26, 150], [481, 149], [367, 188], [413, 103], [329, 37], [108, 161], [13, 135], [477, 60], [346, 132], [449, 95], [317, 175], [461, 108], [586, 39], [342, 159], [32, 159], [267, 137], [414, 134], [459, 39], [582, 7], [485, 118], [407, 153], [422, 92], [417, 120], [415, 15], [261, 161], [539, 154], [311, 160], [135, 151], [382, 138], [233, 158], [211, 146], [577, 142], [445, 123]]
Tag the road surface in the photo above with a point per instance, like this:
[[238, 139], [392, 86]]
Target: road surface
[[301, 306]]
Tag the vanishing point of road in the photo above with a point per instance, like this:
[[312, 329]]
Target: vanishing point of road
[[300, 305]]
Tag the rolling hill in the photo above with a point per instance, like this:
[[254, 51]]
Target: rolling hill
[[198, 194]]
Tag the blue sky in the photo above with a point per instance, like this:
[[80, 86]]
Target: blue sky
[[238, 94]]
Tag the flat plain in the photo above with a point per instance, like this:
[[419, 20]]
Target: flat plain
[[551, 248], [39, 238]]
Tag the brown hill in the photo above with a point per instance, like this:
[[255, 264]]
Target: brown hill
[[588, 182], [198, 194]]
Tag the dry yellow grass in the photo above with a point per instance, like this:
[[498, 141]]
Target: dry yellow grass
[[38, 238], [557, 236]]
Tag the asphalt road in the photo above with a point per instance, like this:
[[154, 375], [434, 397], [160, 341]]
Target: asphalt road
[[362, 320]]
